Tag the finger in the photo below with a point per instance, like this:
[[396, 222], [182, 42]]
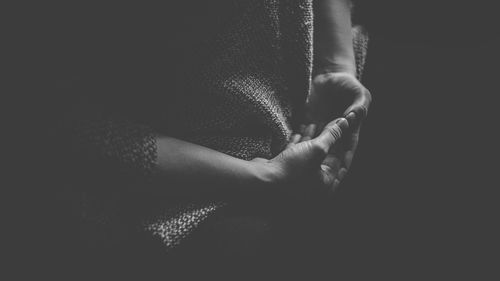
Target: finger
[[301, 129], [333, 132], [351, 118], [355, 115], [334, 162], [341, 174], [350, 140], [337, 166], [335, 156], [360, 106], [335, 185], [294, 140], [348, 157], [321, 145], [350, 144], [327, 176], [309, 132]]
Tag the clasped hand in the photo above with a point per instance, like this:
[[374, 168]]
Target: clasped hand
[[300, 170], [318, 156]]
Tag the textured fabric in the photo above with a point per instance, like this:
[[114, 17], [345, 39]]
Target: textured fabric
[[130, 145], [249, 80]]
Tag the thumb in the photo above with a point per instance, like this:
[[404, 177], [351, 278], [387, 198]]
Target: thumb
[[359, 109], [331, 133]]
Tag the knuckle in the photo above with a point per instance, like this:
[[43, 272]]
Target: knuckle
[[335, 131], [364, 111], [368, 96], [319, 148]]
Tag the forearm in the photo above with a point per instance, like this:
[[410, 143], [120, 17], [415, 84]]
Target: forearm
[[333, 44], [105, 142], [188, 168]]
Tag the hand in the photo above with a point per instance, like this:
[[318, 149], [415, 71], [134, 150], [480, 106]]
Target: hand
[[335, 94], [298, 170]]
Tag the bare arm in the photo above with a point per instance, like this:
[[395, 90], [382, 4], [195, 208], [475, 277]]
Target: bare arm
[[333, 47], [184, 168], [107, 142], [336, 91]]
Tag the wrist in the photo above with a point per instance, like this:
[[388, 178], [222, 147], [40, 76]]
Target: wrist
[[265, 174], [344, 64]]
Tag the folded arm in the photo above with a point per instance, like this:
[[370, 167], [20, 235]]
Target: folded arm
[[178, 167]]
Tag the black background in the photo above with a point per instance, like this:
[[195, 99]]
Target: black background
[[421, 195], [419, 200]]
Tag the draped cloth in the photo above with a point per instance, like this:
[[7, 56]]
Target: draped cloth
[[245, 89]]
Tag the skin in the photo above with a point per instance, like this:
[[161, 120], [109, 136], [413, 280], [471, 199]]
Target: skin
[[315, 156], [195, 166], [335, 91]]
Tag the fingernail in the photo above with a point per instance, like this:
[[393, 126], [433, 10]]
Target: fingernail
[[351, 115], [351, 118], [342, 123], [340, 120]]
